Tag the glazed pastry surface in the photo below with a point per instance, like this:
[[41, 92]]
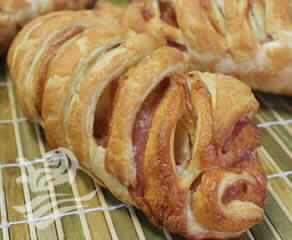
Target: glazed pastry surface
[[141, 124]]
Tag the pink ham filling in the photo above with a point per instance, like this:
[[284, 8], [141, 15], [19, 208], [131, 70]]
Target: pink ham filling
[[103, 116], [51, 53], [240, 145], [176, 45], [243, 122], [143, 124], [168, 14], [141, 129]]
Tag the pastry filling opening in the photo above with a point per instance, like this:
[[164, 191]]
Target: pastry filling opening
[[103, 113], [241, 144], [142, 126], [91, 4], [104, 108], [196, 183], [236, 131], [51, 53], [182, 146], [179, 46], [168, 14], [236, 191]]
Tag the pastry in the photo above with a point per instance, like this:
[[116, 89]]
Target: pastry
[[249, 40], [156, 135], [246, 39], [14, 14]]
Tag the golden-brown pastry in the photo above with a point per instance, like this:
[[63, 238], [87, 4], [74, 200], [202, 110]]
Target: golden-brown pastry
[[14, 14], [246, 39], [156, 136], [44, 37]]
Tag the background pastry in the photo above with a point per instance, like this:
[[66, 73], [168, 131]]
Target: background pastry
[[14, 14], [250, 40], [247, 39]]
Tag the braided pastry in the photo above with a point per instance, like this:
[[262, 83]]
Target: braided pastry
[[155, 136], [14, 14], [249, 39]]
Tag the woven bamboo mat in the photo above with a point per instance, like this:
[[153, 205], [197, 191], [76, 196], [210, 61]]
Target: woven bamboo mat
[[78, 209]]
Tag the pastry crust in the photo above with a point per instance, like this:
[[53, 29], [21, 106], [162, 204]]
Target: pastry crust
[[32, 67], [156, 136], [67, 70], [249, 40], [246, 39], [168, 183], [130, 97], [80, 127], [14, 14]]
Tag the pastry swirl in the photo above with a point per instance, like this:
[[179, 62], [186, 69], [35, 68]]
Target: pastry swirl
[[156, 135]]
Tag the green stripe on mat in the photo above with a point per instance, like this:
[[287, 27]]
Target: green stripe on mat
[[278, 218], [71, 224], [262, 232], [122, 221], [151, 232], [13, 191], [96, 221], [273, 146]]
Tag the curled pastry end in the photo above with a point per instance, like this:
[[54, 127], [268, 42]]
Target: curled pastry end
[[226, 202]]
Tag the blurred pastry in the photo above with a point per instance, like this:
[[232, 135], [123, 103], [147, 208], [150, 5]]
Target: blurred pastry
[[14, 14], [250, 40]]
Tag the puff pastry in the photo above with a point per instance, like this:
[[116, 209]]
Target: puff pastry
[[250, 40], [156, 136], [14, 14]]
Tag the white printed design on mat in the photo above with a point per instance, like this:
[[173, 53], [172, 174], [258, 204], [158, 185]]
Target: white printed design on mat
[[60, 162]]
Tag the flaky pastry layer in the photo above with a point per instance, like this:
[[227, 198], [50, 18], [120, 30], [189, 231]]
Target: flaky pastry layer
[[250, 40], [14, 14]]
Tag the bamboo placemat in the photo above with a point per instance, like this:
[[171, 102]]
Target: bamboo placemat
[[78, 209]]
